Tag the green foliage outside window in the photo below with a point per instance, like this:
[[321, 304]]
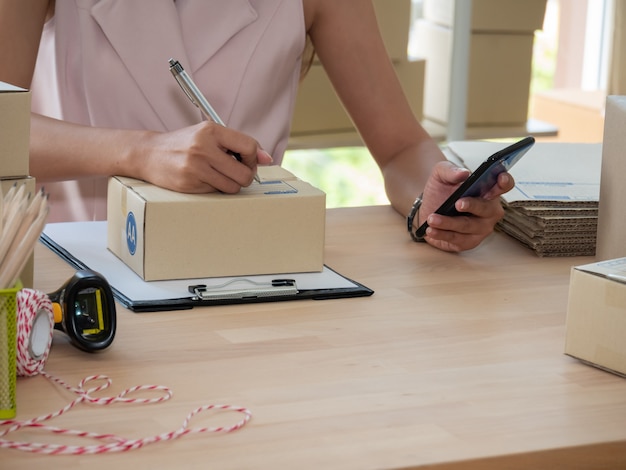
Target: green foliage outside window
[[348, 175]]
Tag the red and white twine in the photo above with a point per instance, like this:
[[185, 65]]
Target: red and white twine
[[33, 307], [30, 304]]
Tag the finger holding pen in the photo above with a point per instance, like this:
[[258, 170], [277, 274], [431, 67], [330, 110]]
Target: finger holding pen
[[197, 98], [193, 159], [227, 174], [249, 151]]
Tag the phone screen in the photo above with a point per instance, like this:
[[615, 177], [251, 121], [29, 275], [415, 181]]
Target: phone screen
[[484, 178]]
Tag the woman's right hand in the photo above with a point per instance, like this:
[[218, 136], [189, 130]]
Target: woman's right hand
[[195, 159]]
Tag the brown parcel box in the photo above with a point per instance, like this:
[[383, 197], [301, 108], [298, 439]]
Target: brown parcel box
[[14, 130], [596, 315], [276, 226]]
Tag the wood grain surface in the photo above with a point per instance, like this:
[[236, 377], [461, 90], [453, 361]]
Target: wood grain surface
[[456, 362]]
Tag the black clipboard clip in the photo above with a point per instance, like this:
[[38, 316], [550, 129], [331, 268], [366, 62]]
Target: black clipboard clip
[[243, 288]]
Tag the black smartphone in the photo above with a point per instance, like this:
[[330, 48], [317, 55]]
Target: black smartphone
[[484, 178]]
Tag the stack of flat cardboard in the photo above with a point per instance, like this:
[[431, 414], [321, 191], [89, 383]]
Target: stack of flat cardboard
[[553, 208]]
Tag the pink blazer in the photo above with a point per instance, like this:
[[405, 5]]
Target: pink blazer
[[104, 63]]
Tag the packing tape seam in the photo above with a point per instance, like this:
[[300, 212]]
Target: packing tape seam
[[34, 308]]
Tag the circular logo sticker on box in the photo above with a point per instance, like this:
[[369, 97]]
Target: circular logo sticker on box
[[131, 233]]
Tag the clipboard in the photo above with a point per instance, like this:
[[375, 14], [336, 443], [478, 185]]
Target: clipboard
[[83, 245]]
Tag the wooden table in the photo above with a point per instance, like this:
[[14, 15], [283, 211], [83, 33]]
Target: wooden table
[[455, 362]]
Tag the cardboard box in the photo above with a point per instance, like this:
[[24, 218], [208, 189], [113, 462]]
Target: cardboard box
[[14, 130], [319, 111], [276, 226], [596, 315], [498, 81], [319, 116], [411, 75], [394, 21], [503, 16], [27, 274], [611, 238]]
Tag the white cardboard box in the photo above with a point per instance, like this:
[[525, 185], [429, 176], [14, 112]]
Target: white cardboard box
[[14, 130], [611, 237], [596, 315], [276, 226]]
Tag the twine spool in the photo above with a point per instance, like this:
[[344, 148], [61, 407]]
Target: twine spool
[[35, 327]]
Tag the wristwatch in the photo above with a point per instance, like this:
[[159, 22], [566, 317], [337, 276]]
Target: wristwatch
[[415, 210]]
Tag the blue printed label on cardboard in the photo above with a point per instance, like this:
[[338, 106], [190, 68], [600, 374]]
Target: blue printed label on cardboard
[[131, 233]]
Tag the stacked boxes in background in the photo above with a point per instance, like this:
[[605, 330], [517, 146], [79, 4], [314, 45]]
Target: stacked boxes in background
[[319, 117], [14, 148], [500, 61]]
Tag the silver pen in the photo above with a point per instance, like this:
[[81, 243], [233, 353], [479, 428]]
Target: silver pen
[[196, 97]]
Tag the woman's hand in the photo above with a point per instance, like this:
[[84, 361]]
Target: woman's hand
[[196, 160], [466, 231]]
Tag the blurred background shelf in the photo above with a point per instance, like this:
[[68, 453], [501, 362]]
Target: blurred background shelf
[[573, 59]]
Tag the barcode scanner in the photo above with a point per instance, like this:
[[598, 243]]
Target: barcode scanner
[[84, 309]]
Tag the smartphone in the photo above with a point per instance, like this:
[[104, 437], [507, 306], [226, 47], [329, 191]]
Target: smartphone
[[484, 178]]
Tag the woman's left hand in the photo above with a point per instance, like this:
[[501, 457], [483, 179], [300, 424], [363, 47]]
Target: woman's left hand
[[480, 214]]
